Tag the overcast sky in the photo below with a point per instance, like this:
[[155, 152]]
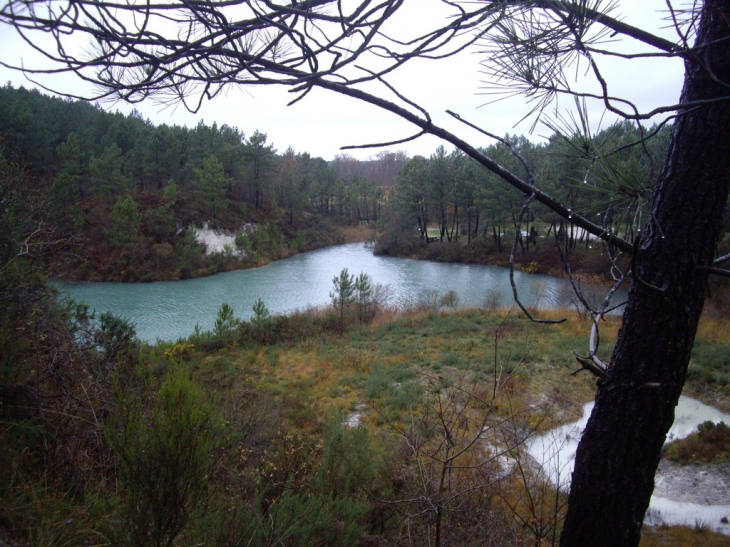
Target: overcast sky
[[325, 121]]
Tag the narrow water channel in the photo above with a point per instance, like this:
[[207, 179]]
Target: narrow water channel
[[168, 310], [678, 497]]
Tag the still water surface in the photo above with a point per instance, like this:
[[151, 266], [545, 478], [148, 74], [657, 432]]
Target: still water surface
[[168, 310]]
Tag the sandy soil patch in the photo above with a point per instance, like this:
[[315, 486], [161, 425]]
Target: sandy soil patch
[[707, 484]]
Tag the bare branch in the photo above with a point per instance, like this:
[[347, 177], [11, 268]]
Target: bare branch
[[383, 144], [715, 271], [512, 268], [505, 142], [524, 186], [635, 273], [722, 259]]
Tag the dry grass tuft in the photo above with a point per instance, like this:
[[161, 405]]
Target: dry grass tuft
[[682, 536], [714, 330]]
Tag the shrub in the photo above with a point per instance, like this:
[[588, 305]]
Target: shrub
[[710, 443], [164, 461], [260, 311], [491, 301], [225, 322], [531, 268], [450, 300], [429, 301]]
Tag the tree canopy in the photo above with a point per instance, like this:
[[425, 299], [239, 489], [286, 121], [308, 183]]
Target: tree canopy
[[176, 177]]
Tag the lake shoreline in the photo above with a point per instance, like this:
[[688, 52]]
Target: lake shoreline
[[541, 259], [703, 483], [588, 264], [342, 235], [221, 264], [170, 309], [702, 489]]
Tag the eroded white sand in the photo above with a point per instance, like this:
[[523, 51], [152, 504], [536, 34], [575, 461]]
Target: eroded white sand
[[215, 241]]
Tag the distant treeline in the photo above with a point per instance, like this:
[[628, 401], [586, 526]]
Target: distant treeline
[[128, 190], [448, 207], [382, 170]]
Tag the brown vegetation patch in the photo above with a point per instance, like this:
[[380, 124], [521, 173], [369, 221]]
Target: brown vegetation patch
[[710, 443], [681, 536], [361, 232]]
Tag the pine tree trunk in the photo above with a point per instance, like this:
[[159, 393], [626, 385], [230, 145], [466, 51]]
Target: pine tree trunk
[[620, 450]]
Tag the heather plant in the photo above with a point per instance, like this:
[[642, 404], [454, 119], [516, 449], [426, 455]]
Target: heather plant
[[296, 502], [710, 443]]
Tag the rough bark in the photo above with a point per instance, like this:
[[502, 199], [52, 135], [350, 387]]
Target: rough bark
[[621, 447]]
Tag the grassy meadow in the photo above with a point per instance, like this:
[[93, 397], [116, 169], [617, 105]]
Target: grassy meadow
[[409, 429]]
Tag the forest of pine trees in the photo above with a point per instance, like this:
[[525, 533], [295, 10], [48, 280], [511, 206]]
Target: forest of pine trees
[[126, 193]]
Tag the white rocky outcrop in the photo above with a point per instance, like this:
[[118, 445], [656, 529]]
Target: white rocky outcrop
[[215, 241]]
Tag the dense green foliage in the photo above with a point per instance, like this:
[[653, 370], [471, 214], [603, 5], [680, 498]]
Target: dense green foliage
[[128, 192], [450, 198]]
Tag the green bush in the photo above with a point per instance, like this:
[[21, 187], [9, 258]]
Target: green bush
[[225, 323], [348, 460], [165, 459], [260, 311], [450, 360], [311, 520], [386, 379]]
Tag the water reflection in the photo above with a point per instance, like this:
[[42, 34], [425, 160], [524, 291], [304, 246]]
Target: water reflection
[[170, 309]]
